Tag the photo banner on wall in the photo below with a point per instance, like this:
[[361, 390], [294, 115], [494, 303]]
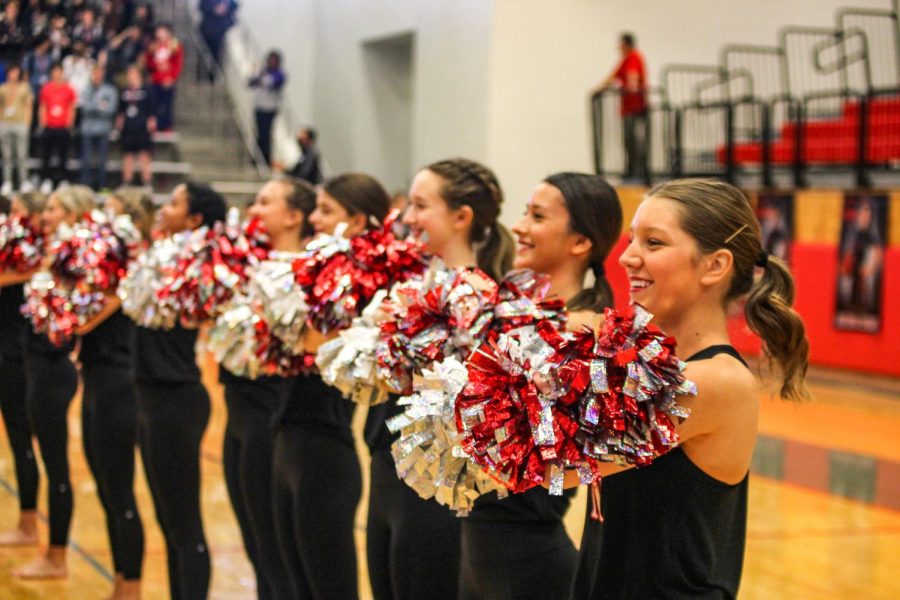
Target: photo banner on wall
[[861, 262], [776, 221]]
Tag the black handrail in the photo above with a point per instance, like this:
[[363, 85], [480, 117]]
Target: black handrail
[[844, 61], [727, 77], [844, 13], [732, 50]]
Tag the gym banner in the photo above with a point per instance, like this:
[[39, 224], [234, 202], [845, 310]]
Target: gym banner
[[861, 262], [776, 220]]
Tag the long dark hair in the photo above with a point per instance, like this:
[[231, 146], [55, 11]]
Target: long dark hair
[[468, 183], [301, 196], [359, 193], [596, 213], [718, 216]]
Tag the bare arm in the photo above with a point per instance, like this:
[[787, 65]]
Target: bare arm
[[14, 278], [113, 303]]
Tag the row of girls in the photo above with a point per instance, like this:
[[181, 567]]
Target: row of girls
[[675, 528]]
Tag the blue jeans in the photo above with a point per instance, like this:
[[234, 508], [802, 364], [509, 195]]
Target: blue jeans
[[165, 98], [94, 152]]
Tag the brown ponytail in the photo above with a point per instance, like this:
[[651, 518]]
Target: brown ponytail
[[596, 213], [719, 216], [468, 183]]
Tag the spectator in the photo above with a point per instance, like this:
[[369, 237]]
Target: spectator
[[38, 64], [142, 18], [89, 31], [307, 168], [124, 50], [56, 116], [98, 110], [35, 18], [266, 100], [13, 36], [17, 101], [217, 17], [165, 57], [136, 123], [77, 68], [60, 41], [630, 76]]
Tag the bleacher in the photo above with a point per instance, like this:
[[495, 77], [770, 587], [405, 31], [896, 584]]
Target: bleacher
[[820, 101]]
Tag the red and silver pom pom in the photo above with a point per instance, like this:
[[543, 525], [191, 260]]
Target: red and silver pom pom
[[428, 454], [57, 308], [214, 263], [21, 244], [446, 313], [146, 275], [339, 276]]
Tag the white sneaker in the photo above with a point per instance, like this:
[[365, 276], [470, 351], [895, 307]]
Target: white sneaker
[[46, 187], [6, 188], [27, 187]]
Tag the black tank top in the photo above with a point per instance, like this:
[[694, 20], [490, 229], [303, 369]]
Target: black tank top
[[669, 530]]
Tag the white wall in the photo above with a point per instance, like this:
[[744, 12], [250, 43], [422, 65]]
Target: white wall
[[503, 81], [449, 89], [547, 55]]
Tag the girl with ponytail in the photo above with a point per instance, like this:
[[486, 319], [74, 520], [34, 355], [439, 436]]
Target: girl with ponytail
[[412, 545], [518, 547], [677, 528]]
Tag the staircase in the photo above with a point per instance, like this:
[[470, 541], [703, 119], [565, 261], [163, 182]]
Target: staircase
[[205, 118]]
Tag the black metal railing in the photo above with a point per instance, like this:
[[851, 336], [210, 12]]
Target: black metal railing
[[824, 99]]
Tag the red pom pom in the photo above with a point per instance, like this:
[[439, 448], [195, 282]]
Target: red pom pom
[[21, 244]]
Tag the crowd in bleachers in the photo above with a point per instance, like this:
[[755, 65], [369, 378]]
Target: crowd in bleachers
[[66, 71]]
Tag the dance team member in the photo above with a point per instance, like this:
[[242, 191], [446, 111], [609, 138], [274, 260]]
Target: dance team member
[[109, 413], [13, 326], [677, 528], [517, 547], [173, 411], [283, 205], [316, 471], [412, 545], [52, 381]]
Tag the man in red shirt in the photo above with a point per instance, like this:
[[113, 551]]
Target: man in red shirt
[[56, 117], [631, 79]]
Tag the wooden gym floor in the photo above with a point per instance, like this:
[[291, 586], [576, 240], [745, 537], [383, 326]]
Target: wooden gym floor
[[824, 505]]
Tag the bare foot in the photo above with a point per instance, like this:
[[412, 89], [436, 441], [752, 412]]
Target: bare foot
[[127, 589], [18, 537], [42, 568]]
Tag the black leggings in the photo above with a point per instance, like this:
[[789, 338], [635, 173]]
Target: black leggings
[[516, 561], [247, 458], [317, 489], [412, 545], [18, 429], [172, 420], [52, 382], [109, 424]]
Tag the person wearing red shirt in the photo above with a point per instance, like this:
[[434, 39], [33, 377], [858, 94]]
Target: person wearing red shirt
[[630, 77], [165, 58], [56, 116]]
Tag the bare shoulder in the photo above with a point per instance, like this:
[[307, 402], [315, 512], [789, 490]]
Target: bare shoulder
[[727, 397], [579, 319]]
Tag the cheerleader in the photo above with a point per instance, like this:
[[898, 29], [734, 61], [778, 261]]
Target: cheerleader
[[517, 547], [12, 386], [283, 205], [51, 384], [316, 470], [173, 411], [676, 529], [109, 413], [412, 545]]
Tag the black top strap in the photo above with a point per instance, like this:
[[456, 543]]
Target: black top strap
[[711, 351]]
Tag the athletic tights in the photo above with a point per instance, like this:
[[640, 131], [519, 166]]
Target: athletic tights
[[51, 383], [109, 424], [412, 545], [18, 429], [173, 417], [247, 460], [317, 489]]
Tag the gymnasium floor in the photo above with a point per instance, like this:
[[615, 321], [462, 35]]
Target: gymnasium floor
[[806, 538]]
